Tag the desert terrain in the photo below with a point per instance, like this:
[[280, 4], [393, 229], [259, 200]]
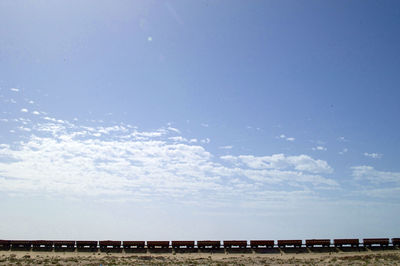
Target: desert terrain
[[376, 256]]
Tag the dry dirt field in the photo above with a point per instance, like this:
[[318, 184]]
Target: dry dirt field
[[377, 257]]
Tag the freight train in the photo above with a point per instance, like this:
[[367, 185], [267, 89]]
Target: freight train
[[201, 244]]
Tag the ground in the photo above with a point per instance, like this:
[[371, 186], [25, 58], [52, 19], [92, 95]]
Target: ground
[[375, 257]]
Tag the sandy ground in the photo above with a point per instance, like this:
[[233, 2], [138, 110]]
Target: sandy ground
[[367, 257]]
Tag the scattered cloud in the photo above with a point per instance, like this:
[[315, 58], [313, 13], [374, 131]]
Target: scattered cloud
[[204, 125], [120, 162], [342, 139], [227, 147], [373, 155], [14, 89], [280, 161], [35, 113], [173, 129], [24, 110], [283, 136], [319, 148], [206, 140], [368, 173], [343, 151]]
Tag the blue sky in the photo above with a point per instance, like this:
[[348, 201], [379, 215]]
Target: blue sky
[[199, 119]]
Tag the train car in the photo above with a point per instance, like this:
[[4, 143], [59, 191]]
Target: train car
[[262, 243], [208, 244], [48, 244], [289, 243], [155, 244], [133, 244], [25, 244], [59, 244], [105, 244], [180, 244], [235, 243], [383, 242], [84, 244], [318, 242], [396, 242], [5, 244], [354, 242]]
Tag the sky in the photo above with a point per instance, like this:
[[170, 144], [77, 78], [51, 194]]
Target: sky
[[168, 120]]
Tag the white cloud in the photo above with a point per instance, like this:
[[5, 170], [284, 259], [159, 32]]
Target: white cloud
[[204, 125], [373, 155], [121, 162], [368, 173], [14, 89], [281, 162], [283, 136], [206, 140], [319, 148], [343, 151], [31, 102], [35, 113], [173, 129], [227, 147], [342, 139], [24, 110]]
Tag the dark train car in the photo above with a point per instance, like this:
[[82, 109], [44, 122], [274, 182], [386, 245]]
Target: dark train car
[[133, 244], [5, 244], [104, 244], [42, 244], [58, 244], [180, 244], [354, 242], [318, 242], [154, 244], [289, 243], [396, 242], [81, 244], [208, 244], [262, 243], [235, 243], [26, 244], [383, 242]]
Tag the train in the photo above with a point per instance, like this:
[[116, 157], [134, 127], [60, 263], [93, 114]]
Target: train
[[200, 244]]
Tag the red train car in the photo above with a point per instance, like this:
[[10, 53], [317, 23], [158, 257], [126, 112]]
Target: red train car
[[289, 243], [104, 244], [26, 244], [5, 244], [208, 244], [133, 244], [86, 244], [383, 242], [318, 242], [235, 243], [396, 241], [154, 244], [354, 242], [42, 243], [180, 244], [58, 244], [262, 243]]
